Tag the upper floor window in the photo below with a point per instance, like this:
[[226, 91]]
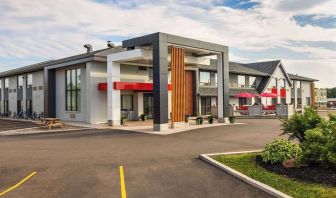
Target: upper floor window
[[205, 78], [127, 102], [241, 81], [29, 80], [73, 87], [6, 83], [298, 84], [252, 81], [19, 82], [282, 83], [273, 83]]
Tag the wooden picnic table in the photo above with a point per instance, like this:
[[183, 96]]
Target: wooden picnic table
[[51, 122]]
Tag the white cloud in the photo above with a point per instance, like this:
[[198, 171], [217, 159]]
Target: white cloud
[[53, 29]]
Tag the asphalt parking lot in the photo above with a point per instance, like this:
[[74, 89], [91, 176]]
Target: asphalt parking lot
[[86, 163]]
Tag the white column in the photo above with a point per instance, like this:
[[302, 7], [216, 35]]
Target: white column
[[295, 94], [278, 91], [113, 96], [24, 94], [220, 86]]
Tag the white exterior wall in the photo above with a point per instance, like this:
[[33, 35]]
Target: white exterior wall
[[78, 116], [12, 96], [278, 74], [2, 94], [38, 92], [96, 101], [305, 92]]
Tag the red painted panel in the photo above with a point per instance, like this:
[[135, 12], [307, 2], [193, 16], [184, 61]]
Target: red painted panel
[[282, 92], [135, 86]]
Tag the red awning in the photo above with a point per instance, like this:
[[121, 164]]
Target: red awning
[[134, 86], [244, 95]]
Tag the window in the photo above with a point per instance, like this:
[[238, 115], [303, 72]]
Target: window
[[298, 84], [282, 83], [252, 82], [308, 101], [241, 81], [205, 78], [273, 83], [19, 82], [29, 80], [6, 83], [73, 85], [150, 73], [205, 105], [127, 102]]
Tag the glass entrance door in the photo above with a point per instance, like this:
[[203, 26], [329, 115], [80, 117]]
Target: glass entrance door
[[148, 104]]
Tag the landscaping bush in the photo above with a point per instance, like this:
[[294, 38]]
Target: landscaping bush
[[232, 119], [280, 150], [319, 146], [332, 117], [210, 119], [298, 124]]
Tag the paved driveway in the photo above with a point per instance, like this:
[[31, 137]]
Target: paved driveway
[[85, 163], [6, 125]]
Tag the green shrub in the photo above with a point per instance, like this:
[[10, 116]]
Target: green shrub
[[332, 117], [280, 150], [319, 146], [298, 124], [232, 119]]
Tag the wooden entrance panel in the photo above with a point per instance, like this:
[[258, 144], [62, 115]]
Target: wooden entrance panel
[[178, 78], [189, 110]]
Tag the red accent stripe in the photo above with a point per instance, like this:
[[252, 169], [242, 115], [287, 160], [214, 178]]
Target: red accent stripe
[[135, 86]]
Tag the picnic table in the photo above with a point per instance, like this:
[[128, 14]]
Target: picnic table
[[50, 122]]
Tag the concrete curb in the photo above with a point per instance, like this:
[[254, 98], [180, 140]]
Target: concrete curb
[[269, 190], [15, 132]]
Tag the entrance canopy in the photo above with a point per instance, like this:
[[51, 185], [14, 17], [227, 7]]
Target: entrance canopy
[[156, 50]]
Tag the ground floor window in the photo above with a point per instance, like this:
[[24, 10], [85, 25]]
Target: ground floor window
[[29, 107], [308, 101], [73, 89], [127, 102], [148, 104], [19, 106], [242, 101], [205, 105], [274, 101], [283, 100], [6, 107]]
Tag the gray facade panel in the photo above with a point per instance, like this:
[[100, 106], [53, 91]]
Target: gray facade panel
[[29, 93]]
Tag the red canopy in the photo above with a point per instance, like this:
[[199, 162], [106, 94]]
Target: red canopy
[[268, 95], [244, 95]]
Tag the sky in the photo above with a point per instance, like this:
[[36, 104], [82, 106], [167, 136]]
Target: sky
[[300, 33]]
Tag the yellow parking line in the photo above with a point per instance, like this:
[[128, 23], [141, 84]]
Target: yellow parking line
[[18, 184], [122, 182]]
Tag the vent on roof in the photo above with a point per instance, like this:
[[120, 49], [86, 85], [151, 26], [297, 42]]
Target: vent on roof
[[110, 44], [88, 48]]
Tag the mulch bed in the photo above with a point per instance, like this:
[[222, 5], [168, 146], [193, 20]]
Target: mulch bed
[[309, 174]]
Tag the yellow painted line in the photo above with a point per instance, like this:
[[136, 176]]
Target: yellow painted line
[[122, 182], [18, 184]]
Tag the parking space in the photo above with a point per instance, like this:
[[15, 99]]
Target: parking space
[[87, 163], [6, 124]]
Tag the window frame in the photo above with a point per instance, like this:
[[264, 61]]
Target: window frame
[[73, 91], [253, 85], [20, 78], [241, 85], [201, 83], [29, 85], [122, 102]]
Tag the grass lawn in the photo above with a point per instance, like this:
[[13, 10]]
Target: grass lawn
[[245, 163]]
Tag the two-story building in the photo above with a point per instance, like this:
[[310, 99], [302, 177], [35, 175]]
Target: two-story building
[[160, 75]]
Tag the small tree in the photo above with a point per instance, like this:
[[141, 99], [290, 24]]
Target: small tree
[[298, 124]]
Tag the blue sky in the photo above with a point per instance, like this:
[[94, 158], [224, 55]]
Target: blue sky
[[302, 33]]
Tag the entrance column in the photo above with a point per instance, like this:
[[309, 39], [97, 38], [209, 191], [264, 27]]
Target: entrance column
[[295, 94], [160, 84], [223, 87], [113, 95]]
